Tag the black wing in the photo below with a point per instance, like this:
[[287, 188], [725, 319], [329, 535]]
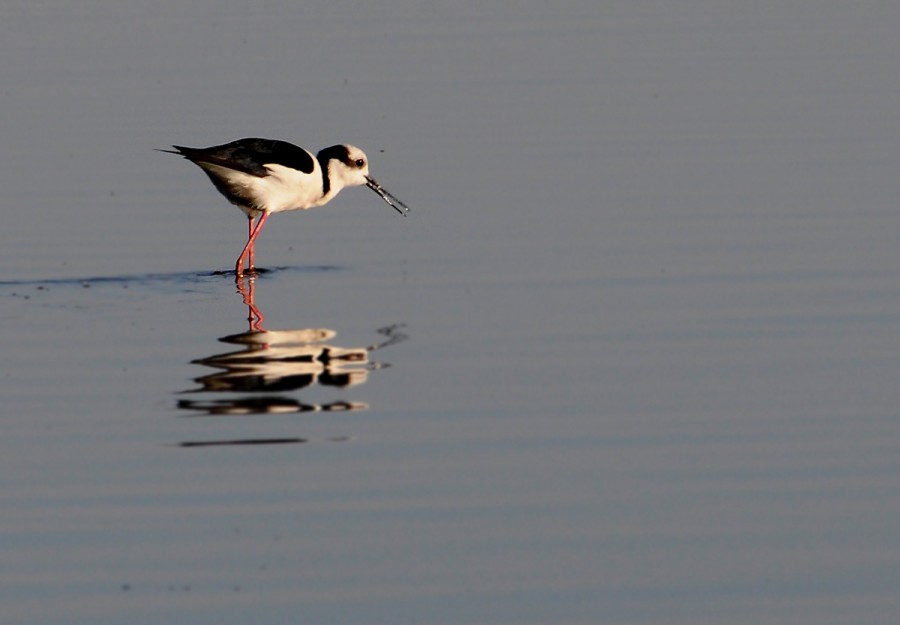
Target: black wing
[[249, 155]]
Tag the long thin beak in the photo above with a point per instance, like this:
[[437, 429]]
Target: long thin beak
[[399, 206]]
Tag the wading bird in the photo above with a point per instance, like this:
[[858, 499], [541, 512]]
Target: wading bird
[[265, 176]]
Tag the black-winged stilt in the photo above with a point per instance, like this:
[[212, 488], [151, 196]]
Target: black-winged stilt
[[265, 176]]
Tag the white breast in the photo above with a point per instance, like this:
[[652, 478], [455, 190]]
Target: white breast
[[286, 189]]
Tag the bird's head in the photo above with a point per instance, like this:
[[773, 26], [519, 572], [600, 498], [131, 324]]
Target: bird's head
[[348, 166]]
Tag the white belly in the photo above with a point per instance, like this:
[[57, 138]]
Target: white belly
[[283, 189]]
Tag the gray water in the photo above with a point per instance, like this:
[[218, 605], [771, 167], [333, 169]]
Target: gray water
[[632, 358]]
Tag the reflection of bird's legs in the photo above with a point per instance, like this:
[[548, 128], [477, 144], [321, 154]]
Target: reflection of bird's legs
[[245, 288]]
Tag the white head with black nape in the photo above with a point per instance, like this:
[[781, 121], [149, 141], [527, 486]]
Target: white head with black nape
[[348, 166]]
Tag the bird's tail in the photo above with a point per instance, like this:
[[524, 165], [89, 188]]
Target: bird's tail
[[179, 150]]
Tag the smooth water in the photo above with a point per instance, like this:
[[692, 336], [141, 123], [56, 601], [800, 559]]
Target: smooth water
[[632, 357]]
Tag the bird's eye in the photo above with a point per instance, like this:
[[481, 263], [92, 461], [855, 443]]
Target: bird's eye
[[360, 163]]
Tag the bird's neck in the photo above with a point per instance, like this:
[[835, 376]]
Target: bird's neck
[[331, 183]]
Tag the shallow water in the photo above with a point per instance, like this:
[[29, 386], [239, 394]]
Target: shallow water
[[630, 359]]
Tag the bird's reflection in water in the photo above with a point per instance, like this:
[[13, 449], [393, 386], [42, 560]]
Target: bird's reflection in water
[[270, 363]]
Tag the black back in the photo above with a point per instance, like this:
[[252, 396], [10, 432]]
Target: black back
[[249, 155]]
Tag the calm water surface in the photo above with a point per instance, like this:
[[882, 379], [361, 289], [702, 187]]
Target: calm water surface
[[631, 359]]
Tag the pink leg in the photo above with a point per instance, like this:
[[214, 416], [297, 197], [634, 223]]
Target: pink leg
[[239, 265], [250, 264]]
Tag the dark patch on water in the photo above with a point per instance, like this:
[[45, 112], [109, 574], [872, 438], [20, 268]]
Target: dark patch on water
[[153, 279], [250, 441]]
